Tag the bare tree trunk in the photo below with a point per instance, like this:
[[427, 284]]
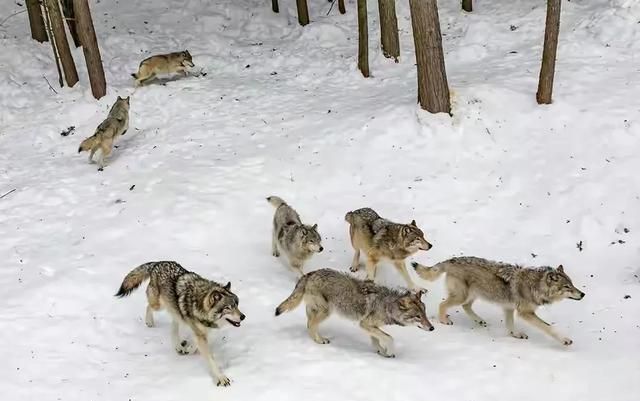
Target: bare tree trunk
[[389, 29], [87, 35], [551, 31], [36, 22], [57, 26], [341, 7], [69, 16], [467, 5], [52, 40], [433, 90], [363, 38], [274, 6], [303, 12]]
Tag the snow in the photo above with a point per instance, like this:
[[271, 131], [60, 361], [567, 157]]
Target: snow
[[283, 110]]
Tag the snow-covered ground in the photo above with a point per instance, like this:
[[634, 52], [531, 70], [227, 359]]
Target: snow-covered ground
[[282, 110]]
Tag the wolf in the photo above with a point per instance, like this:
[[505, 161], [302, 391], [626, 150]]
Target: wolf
[[326, 290], [163, 64], [380, 239], [116, 124], [515, 288], [199, 303], [298, 241]]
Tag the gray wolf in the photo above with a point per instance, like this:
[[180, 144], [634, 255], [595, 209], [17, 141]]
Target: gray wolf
[[199, 303], [298, 241], [177, 62], [325, 291], [515, 288], [116, 124], [381, 239]]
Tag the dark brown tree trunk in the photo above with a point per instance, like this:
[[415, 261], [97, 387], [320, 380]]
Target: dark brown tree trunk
[[303, 12], [363, 38], [467, 5], [389, 29], [69, 16], [57, 26], [36, 22], [551, 31], [433, 90], [341, 7], [274, 6], [52, 40], [87, 35]]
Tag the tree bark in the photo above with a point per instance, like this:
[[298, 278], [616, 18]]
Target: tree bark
[[303, 12], [363, 38], [467, 5], [389, 29], [60, 36], [433, 90], [547, 70], [341, 7], [36, 22], [52, 40], [274, 6], [69, 16], [87, 35]]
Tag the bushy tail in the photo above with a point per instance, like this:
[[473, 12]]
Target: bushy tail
[[87, 144], [295, 298], [134, 279], [135, 75], [276, 201], [429, 273]]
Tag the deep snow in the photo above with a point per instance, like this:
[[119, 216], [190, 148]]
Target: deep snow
[[282, 110]]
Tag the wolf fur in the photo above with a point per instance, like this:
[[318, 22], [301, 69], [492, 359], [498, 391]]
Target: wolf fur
[[177, 62], [325, 291], [116, 124], [380, 239], [197, 302], [515, 288], [298, 241]]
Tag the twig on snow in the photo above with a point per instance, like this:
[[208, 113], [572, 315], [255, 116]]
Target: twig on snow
[[12, 15], [50, 87], [13, 190], [331, 8]]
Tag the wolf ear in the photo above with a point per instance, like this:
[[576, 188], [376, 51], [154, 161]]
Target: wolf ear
[[314, 226], [228, 286], [560, 269], [413, 223]]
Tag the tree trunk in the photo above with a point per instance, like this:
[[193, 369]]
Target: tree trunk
[[433, 90], [90, 48], [467, 5], [389, 29], [341, 7], [69, 16], [363, 38], [551, 31], [52, 40], [60, 36], [303, 12], [36, 22], [274, 6]]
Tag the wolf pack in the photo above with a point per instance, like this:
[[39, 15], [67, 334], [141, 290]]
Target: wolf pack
[[201, 304]]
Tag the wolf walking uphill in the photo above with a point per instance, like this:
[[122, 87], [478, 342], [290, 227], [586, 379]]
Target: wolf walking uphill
[[177, 62], [381, 239], [515, 288], [116, 124], [192, 300], [298, 241], [326, 290]]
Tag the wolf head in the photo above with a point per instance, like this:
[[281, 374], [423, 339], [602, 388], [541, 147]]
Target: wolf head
[[558, 286], [187, 61], [412, 238], [410, 311], [310, 238], [221, 305], [123, 101]]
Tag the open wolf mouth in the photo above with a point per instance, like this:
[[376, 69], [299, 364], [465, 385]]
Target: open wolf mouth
[[236, 324]]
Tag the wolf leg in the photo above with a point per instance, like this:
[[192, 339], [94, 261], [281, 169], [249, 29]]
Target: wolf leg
[[508, 320], [472, 314], [384, 340], [316, 314], [534, 320], [93, 152], [371, 266], [457, 291], [274, 244], [355, 263], [203, 347], [153, 305], [183, 347], [402, 269], [296, 266]]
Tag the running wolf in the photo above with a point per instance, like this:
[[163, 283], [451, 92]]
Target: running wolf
[[197, 302], [515, 288], [298, 241], [163, 64], [380, 238], [116, 124], [326, 290]]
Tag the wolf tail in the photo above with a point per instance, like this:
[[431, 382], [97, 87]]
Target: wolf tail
[[134, 279], [135, 75], [295, 298], [87, 144], [429, 273], [276, 201]]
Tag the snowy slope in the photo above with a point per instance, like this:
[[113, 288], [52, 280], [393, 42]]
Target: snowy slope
[[282, 110]]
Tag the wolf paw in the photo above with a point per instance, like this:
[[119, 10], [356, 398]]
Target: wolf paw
[[354, 269], [519, 334], [481, 323], [185, 348], [386, 354], [149, 322], [223, 381], [276, 254], [567, 341], [322, 340], [101, 169], [445, 320]]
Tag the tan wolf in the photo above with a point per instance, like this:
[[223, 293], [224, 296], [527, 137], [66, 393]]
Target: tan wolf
[[381, 239], [298, 241], [177, 62], [116, 124], [515, 288], [192, 300], [325, 291]]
